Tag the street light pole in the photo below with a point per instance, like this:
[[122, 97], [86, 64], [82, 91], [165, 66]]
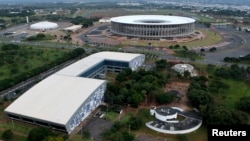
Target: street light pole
[[12, 122]]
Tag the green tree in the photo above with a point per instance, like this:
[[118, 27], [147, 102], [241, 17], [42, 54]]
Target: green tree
[[222, 115], [127, 137], [38, 134], [54, 138], [216, 85], [77, 52], [244, 103], [121, 77], [161, 64], [7, 135], [176, 46], [10, 47], [135, 123], [185, 47], [199, 97], [187, 74], [40, 36], [164, 98], [182, 137], [86, 135], [135, 99]]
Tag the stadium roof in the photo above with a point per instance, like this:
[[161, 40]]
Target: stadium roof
[[55, 99], [152, 20]]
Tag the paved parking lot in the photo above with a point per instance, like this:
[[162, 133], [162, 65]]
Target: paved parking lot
[[96, 126]]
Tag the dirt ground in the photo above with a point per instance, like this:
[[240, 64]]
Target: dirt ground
[[182, 87], [144, 137]]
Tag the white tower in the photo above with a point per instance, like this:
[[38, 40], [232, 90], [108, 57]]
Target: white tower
[[27, 19]]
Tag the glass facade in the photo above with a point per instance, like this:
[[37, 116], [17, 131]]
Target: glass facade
[[106, 65]]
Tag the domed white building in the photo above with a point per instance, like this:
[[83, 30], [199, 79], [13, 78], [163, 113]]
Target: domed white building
[[181, 68], [44, 25]]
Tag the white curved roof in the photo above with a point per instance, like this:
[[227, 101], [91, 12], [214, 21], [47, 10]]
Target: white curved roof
[[83, 65], [152, 20], [57, 97], [44, 25]]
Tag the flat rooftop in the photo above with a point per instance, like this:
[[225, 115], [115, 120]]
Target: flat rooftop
[[54, 99]]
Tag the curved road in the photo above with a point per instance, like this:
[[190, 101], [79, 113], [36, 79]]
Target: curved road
[[239, 45]]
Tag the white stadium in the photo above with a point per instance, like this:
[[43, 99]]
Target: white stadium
[[64, 99], [152, 26], [44, 25]]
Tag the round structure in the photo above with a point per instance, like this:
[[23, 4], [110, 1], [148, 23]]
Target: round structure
[[167, 120], [44, 25], [152, 26], [181, 68]]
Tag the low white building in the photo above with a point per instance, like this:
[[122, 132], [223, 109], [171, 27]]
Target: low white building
[[64, 99], [104, 20], [73, 28], [44, 25], [181, 68]]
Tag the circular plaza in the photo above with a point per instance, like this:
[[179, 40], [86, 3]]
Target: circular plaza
[[152, 26]]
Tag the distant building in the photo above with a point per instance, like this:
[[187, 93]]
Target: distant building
[[44, 25], [104, 20], [181, 68], [129, 4], [73, 28], [152, 26], [67, 97], [2, 26]]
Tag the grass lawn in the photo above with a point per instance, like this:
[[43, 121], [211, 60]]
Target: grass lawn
[[210, 39], [206, 19], [125, 118], [31, 58], [40, 37], [26, 61], [234, 93], [198, 135], [20, 130], [15, 137], [16, 126], [77, 137], [112, 116]]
